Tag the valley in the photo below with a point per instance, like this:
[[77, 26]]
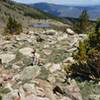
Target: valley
[[68, 10]]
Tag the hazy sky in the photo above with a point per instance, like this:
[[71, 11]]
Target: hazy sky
[[67, 2]]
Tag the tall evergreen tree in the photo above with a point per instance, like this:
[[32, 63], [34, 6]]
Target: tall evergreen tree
[[82, 25], [94, 38], [83, 21]]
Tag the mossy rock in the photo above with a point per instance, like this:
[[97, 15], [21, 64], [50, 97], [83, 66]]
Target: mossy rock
[[4, 90], [88, 88], [44, 73]]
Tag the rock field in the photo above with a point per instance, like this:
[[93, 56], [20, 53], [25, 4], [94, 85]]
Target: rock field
[[32, 66]]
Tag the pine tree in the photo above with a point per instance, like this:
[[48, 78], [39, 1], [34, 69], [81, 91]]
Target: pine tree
[[82, 25], [94, 38], [83, 21]]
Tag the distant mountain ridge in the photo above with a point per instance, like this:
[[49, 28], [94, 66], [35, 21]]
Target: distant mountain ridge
[[68, 11], [21, 12]]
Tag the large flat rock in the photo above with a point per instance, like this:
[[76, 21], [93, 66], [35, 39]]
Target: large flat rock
[[30, 73], [6, 58]]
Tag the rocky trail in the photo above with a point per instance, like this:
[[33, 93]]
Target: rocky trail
[[32, 65]]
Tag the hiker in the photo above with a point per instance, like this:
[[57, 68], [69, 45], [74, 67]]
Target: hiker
[[34, 58]]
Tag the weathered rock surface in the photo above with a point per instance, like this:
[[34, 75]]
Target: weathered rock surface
[[70, 31], [73, 90], [29, 73], [55, 67], [26, 51], [6, 58]]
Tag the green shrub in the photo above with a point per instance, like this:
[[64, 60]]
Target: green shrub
[[88, 57], [89, 68], [81, 55], [13, 27]]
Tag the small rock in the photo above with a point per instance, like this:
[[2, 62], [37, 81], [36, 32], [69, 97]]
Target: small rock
[[26, 51], [69, 60], [16, 67], [46, 46], [65, 98], [70, 50], [94, 97], [11, 96], [49, 32], [47, 52], [51, 79], [21, 37], [9, 86], [30, 88], [42, 98], [60, 38], [7, 77], [73, 90], [33, 97], [55, 67], [47, 88], [40, 92], [16, 77], [70, 31]]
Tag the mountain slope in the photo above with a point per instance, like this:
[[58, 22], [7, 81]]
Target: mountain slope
[[68, 11], [21, 12]]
